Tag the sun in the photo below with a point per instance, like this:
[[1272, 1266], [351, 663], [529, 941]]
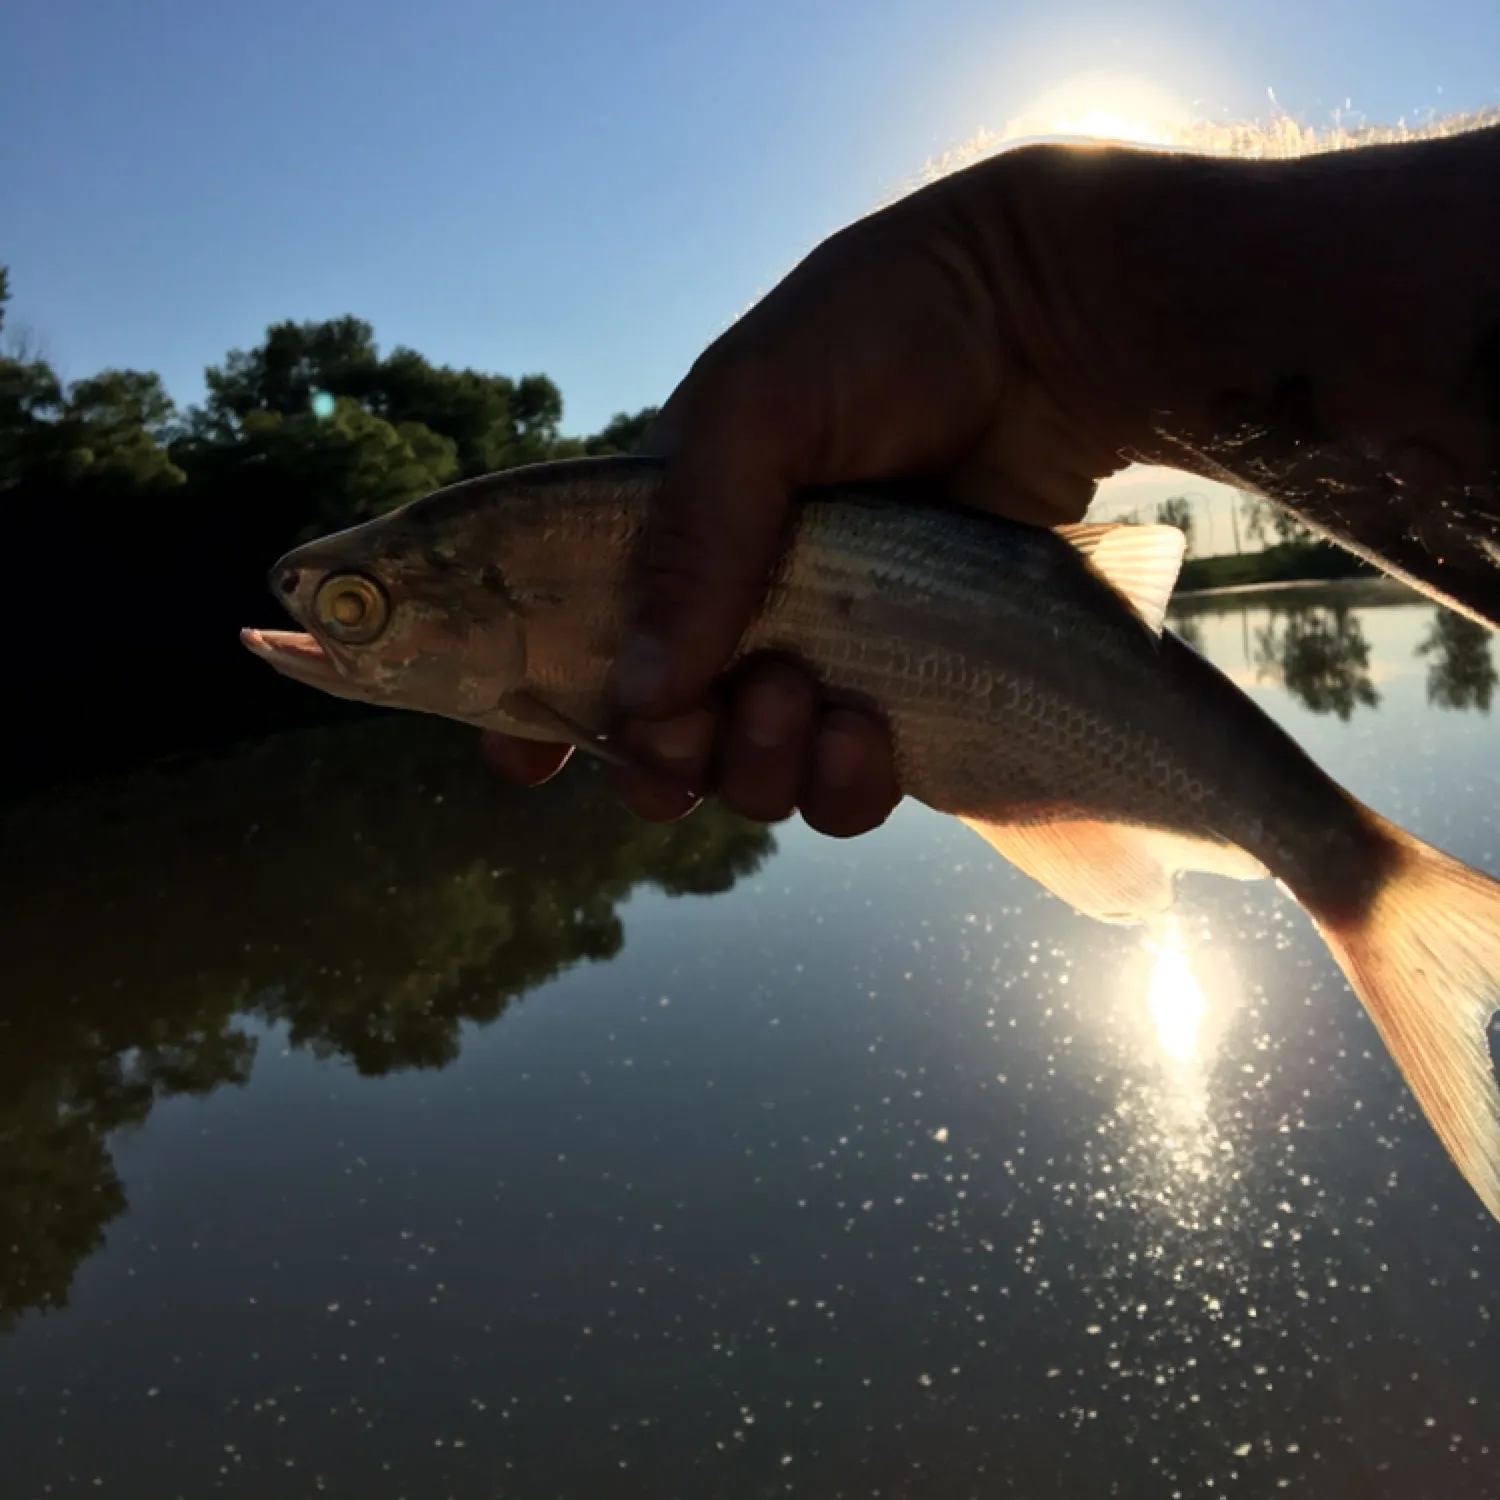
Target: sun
[[1091, 107], [1109, 125], [1105, 107]]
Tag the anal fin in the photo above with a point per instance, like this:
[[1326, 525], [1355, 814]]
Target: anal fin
[[1113, 872]]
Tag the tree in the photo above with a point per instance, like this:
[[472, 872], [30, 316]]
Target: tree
[[30, 400], [623, 432], [107, 430], [1270, 524], [283, 374], [536, 415], [1177, 511], [1321, 656], [492, 421], [344, 468], [1462, 671], [117, 423]]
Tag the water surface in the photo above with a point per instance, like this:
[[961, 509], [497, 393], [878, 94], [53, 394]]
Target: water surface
[[369, 1128]]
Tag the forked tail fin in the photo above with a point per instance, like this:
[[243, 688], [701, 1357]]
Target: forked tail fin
[[1425, 960]]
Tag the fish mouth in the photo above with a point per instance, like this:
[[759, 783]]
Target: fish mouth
[[296, 654]]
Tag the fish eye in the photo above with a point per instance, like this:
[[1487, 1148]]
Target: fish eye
[[352, 608]]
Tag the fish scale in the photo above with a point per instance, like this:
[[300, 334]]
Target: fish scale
[[1039, 744], [1029, 688]]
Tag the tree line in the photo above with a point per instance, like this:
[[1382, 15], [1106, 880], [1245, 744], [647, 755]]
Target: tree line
[[141, 532], [339, 430]]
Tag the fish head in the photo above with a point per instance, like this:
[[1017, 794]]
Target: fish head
[[392, 616]]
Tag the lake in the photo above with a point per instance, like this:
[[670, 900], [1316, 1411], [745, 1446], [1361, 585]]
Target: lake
[[370, 1128]]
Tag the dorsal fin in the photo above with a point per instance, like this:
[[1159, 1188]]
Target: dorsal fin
[[1140, 563]]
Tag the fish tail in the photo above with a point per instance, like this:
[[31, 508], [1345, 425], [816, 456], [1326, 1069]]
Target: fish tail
[[1424, 958]]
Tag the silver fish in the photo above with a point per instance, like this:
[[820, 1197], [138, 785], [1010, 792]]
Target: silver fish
[[1029, 687]]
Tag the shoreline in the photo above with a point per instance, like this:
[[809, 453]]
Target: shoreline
[[1363, 590]]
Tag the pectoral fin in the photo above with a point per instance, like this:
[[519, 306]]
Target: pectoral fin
[[1114, 872], [523, 708]]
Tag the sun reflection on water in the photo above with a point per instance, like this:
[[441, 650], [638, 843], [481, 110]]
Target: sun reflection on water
[[1170, 1152], [1175, 999]]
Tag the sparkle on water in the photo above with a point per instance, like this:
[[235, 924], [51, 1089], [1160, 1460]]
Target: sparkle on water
[[387, 1132]]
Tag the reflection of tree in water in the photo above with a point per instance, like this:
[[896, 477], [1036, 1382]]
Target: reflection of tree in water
[[1461, 673], [1320, 655], [1190, 630], [72, 1070], [372, 887]]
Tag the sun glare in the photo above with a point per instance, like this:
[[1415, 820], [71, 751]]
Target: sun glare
[[1091, 106], [1105, 107], [1175, 1000], [1134, 111], [1107, 125]]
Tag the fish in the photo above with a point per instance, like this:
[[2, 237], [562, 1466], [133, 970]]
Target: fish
[[1031, 690]]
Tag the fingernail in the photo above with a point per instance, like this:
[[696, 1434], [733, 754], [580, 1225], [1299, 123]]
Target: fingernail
[[838, 758], [639, 672], [772, 711], [683, 740]]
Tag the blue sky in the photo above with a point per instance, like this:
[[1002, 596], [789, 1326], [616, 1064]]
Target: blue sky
[[584, 189]]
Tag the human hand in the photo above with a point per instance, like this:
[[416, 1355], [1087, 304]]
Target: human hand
[[928, 339]]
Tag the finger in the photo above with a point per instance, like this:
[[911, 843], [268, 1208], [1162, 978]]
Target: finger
[[715, 530], [851, 786], [761, 764], [669, 774], [525, 762]]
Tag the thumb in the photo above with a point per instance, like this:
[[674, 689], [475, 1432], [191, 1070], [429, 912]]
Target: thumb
[[712, 541]]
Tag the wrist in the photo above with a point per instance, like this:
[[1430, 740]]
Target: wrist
[[1245, 318]]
